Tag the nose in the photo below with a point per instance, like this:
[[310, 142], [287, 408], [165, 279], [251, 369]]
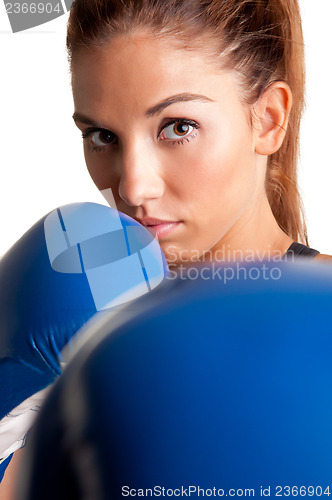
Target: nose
[[141, 178]]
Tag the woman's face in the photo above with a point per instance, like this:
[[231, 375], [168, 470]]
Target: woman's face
[[167, 132]]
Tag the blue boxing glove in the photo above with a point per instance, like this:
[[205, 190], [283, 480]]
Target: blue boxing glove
[[74, 263], [213, 385]]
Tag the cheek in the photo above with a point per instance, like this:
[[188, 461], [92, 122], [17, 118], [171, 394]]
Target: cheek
[[98, 168], [219, 173]]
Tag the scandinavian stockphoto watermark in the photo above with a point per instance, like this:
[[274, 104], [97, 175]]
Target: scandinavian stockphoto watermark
[[23, 15], [226, 264]]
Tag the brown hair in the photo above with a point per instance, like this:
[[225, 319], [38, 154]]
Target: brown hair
[[261, 40]]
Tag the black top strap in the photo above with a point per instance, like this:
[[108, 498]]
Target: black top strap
[[299, 250]]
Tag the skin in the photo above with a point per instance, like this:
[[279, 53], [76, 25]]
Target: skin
[[9, 483], [212, 182]]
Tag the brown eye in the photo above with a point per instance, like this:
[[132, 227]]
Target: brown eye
[[102, 137], [176, 130], [181, 129]]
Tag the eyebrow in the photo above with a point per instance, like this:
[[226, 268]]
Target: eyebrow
[[78, 117], [154, 110], [184, 97]]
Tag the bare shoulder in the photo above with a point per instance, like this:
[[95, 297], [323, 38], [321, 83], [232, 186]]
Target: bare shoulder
[[323, 257]]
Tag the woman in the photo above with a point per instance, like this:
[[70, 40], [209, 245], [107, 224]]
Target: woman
[[190, 114], [222, 79]]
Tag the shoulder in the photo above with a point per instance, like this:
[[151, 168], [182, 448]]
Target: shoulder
[[323, 257]]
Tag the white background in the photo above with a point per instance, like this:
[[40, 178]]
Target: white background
[[41, 156]]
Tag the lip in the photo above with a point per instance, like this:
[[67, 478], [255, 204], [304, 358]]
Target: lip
[[159, 227]]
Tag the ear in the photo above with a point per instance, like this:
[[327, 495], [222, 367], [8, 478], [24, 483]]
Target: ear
[[270, 115]]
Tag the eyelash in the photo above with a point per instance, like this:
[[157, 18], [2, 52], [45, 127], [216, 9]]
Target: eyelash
[[93, 148]]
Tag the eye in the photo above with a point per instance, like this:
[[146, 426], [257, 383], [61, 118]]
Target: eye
[[99, 137], [102, 137], [179, 129]]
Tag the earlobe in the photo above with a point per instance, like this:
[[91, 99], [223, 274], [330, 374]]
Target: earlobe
[[271, 115]]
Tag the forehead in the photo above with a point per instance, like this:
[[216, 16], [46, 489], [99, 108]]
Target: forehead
[[145, 68], [143, 47]]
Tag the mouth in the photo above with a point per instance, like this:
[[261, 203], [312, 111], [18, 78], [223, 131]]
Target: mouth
[[159, 228]]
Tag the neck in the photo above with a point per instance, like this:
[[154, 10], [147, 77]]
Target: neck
[[255, 236]]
